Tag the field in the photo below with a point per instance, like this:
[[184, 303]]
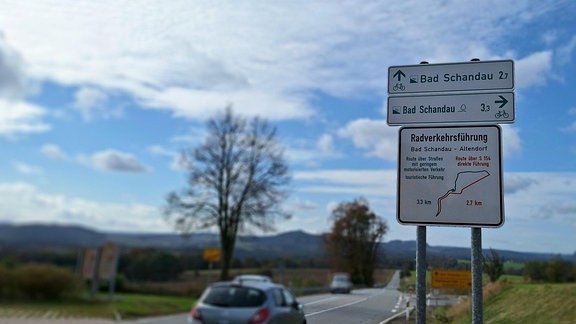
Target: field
[[124, 306]]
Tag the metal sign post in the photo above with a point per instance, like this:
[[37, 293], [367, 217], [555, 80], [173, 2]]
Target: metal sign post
[[476, 258], [421, 275]]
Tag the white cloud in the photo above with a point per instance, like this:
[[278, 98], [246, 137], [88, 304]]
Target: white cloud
[[53, 151], [380, 139], [114, 161], [565, 52], [87, 97], [296, 205], [27, 169], [176, 157], [353, 182], [311, 154], [534, 69], [326, 145], [331, 206], [308, 157], [93, 103], [20, 118], [201, 104], [511, 142], [22, 202]]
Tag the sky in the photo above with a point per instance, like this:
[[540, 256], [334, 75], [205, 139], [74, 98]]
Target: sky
[[98, 98]]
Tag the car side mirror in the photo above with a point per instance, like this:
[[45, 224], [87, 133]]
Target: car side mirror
[[297, 306]]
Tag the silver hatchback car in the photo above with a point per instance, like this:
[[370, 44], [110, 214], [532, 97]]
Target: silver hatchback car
[[246, 302]]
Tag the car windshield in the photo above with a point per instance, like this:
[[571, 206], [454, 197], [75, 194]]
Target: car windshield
[[341, 277], [234, 296]]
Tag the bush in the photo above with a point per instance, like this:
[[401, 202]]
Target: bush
[[7, 283], [37, 281]]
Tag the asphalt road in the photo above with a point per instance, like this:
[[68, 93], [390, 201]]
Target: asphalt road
[[366, 306]]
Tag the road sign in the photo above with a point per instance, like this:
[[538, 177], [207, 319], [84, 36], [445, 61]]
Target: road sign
[[464, 76], [108, 261], [211, 254], [451, 279], [495, 107], [450, 176]]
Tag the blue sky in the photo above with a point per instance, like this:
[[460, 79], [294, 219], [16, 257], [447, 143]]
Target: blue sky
[[97, 98]]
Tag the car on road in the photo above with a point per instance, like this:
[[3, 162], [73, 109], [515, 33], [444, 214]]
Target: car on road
[[340, 283], [252, 278], [247, 302]]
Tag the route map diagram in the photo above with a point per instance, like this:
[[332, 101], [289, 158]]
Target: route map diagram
[[464, 180]]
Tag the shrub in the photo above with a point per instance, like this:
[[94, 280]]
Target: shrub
[[7, 283], [38, 281]]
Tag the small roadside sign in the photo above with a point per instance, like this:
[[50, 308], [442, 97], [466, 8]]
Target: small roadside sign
[[451, 279], [497, 107], [463, 76], [108, 261], [211, 254]]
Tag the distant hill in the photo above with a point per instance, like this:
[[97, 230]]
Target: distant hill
[[288, 244]]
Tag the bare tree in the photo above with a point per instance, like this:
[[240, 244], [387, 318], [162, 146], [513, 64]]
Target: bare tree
[[237, 180], [353, 241]]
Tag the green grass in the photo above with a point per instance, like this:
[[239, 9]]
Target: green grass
[[130, 306], [512, 278], [125, 306], [533, 303], [519, 303]]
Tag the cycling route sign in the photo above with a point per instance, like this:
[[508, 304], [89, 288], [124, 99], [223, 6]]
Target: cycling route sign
[[450, 176], [448, 77], [497, 107]]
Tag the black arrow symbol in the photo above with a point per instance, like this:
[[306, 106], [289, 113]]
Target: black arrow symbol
[[502, 101], [399, 74]]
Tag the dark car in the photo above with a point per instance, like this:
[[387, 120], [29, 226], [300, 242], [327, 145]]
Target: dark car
[[247, 302]]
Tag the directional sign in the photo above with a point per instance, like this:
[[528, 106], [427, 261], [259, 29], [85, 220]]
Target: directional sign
[[495, 107], [465, 76], [451, 279], [450, 176]]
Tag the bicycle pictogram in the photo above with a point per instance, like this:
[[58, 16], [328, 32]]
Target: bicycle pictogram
[[399, 86], [501, 114]]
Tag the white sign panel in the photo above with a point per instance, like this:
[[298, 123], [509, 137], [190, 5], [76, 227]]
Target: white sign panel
[[464, 76], [497, 107], [450, 176]]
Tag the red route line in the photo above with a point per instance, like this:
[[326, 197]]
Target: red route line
[[456, 193]]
